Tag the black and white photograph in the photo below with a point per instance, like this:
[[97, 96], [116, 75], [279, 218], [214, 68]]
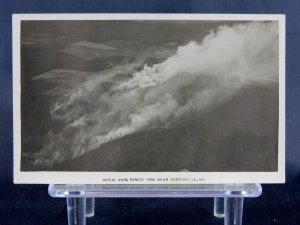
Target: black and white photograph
[[133, 98]]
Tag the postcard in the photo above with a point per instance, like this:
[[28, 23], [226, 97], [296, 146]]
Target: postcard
[[149, 98]]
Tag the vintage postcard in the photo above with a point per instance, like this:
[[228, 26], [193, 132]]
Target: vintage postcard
[[149, 98]]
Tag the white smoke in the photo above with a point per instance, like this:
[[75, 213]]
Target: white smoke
[[198, 76]]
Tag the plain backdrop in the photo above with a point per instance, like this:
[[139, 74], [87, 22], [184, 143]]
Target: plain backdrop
[[279, 203]]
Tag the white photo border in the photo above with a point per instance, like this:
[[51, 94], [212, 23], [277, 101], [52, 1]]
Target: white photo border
[[145, 177]]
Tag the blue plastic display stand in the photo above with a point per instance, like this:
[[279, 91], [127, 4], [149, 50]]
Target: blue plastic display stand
[[228, 198]]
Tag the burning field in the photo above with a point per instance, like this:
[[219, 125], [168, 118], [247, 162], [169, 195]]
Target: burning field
[[150, 96]]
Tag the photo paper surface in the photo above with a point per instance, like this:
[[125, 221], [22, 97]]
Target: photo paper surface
[[148, 98]]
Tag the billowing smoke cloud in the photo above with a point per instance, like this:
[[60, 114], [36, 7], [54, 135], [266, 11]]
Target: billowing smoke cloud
[[199, 76]]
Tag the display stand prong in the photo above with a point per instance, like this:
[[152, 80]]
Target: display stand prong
[[76, 210], [233, 210], [219, 207], [90, 207]]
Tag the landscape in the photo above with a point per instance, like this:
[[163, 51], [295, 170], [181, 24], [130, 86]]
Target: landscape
[[149, 96]]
